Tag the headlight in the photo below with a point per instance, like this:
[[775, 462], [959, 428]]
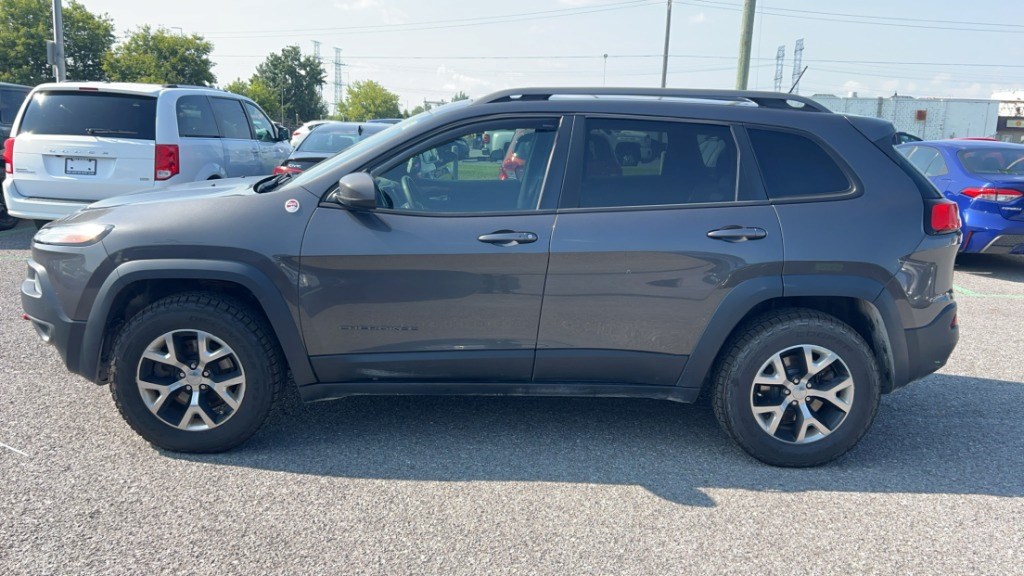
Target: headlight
[[73, 234]]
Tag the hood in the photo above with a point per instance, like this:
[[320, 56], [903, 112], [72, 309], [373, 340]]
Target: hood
[[184, 192]]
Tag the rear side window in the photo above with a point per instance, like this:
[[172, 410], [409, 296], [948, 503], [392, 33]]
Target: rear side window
[[650, 163], [87, 113], [793, 165], [231, 118], [10, 103], [195, 118]]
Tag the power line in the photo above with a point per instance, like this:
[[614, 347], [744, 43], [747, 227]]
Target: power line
[[441, 24]]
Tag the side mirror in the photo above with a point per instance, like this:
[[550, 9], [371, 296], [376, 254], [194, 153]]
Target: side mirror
[[283, 133], [357, 190]]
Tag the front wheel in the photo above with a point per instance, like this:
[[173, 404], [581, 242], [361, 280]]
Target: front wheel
[[196, 373], [797, 388]]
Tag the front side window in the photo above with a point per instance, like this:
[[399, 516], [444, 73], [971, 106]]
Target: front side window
[[651, 163], [454, 177], [793, 165], [262, 126], [231, 118], [195, 118]]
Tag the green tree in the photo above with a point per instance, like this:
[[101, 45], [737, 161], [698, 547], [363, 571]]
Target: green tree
[[298, 77], [460, 95], [26, 25], [417, 110], [268, 98], [368, 100], [160, 57]]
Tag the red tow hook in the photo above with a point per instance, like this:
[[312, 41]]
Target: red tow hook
[[25, 317]]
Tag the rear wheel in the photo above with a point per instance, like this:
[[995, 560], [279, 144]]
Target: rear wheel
[[797, 388], [6, 220], [196, 373]]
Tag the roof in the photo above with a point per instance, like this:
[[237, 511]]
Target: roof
[[124, 87], [776, 100]]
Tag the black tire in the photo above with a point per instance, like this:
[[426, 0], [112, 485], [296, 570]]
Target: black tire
[[6, 220], [245, 332], [753, 345]]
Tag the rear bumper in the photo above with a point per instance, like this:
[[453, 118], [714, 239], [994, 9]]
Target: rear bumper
[[50, 322], [1005, 244], [991, 233], [37, 208], [929, 347]]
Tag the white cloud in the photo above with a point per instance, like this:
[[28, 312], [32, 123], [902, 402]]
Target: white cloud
[[388, 14], [697, 18], [355, 5]]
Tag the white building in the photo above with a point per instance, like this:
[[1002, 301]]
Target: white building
[[926, 118]]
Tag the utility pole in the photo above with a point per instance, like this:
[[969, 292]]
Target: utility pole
[[59, 70], [746, 35], [668, 32]]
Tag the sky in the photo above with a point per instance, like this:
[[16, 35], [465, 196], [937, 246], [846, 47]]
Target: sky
[[431, 50]]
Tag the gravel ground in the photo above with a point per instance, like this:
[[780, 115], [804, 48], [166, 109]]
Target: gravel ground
[[518, 485]]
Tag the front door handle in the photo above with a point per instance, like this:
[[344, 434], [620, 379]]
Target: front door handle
[[737, 233], [508, 238]]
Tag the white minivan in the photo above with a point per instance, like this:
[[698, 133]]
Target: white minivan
[[74, 143]]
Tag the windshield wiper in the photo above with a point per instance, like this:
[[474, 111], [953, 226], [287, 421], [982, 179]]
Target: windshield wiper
[[94, 131], [269, 184]]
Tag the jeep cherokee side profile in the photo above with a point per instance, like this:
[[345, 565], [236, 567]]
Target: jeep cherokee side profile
[[780, 258]]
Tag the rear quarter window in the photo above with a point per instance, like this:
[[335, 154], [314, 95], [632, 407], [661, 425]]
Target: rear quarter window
[[87, 113], [795, 166]]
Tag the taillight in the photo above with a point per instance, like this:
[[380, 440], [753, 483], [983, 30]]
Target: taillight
[[9, 155], [166, 162], [944, 217], [286, 170], [1002, 195]]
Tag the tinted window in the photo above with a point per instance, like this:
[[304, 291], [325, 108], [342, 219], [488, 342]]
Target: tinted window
[[993, 160], [331, 138], [231, 119], [794, 165], [452, 176], [195, 118], [262, 126], [648, 163], [85, 113], [10, 103]]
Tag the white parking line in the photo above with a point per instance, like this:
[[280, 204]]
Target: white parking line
[[12, 449]]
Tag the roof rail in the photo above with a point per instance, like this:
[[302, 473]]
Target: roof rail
[[765, 99]]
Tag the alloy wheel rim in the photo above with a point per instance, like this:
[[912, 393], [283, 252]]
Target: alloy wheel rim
[[802, 394], [190, 380]]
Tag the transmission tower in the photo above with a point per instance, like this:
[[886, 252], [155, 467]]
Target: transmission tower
[[316, 54], [798, 58], [337, 79], [780, 58]]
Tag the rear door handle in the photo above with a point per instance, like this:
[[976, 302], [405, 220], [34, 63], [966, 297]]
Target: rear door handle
[[508, 238], [737, 234]]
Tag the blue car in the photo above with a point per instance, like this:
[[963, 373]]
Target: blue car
[[986, 180]]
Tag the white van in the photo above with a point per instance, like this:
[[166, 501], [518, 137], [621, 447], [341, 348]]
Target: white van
[[74, 143]]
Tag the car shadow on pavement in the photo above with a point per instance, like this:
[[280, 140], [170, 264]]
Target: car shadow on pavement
[[944, 435], [995, 266], [19, 237]]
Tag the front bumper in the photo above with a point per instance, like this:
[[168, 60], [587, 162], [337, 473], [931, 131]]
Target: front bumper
[[50, 322]]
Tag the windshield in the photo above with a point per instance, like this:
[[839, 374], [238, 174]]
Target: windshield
[[330, 139], [392, 133], [993, 160]]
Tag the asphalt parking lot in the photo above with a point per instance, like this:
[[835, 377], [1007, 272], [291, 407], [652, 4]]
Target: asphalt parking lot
[[518, 485]]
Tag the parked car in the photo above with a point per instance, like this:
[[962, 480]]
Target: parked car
[[986, 180], [77, 142], [303, 130], [749, 260], [496, 143], [11, 97], [325, 141]]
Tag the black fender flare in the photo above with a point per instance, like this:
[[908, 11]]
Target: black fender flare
[[749, 294], [267, 294]]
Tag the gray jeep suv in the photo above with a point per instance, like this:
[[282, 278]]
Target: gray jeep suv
[[753, 248]]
